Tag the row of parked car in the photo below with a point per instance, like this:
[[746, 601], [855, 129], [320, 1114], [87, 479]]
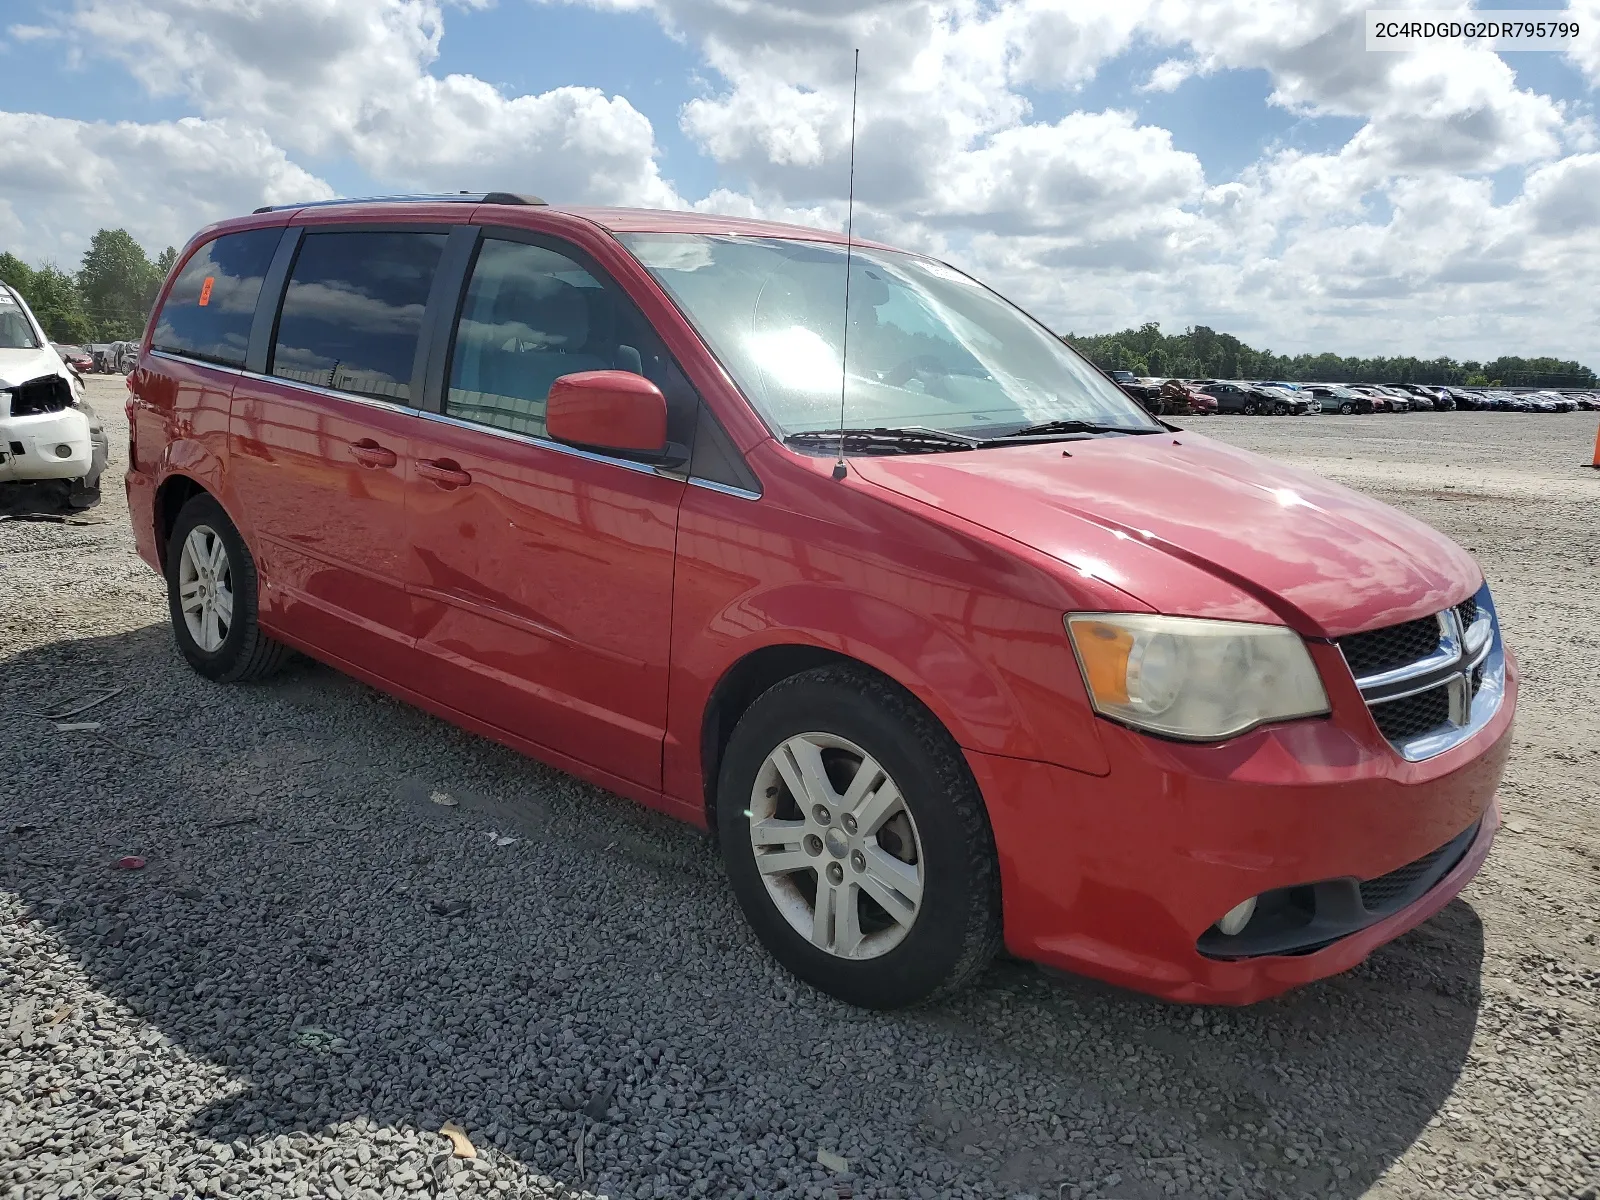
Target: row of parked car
[[1267, 397], [103, 358]]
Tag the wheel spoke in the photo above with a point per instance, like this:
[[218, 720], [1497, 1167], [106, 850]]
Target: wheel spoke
[[847, 933], [223, 603], [877, 806], [892, 883], [212, 629], [784, 862], [219, 555], [867, 775], [189, 598], [800, 763], [774, 833], [822, 919], [194, 549]]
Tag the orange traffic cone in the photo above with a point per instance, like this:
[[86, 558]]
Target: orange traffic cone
[[1596, 462]]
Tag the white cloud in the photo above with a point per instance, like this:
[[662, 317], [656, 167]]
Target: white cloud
[[1169, 74], [1585, 53], [60, 180], [1095, 219], [348, 78], [32, 33]]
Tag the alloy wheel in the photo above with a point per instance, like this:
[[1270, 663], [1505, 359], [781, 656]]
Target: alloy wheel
[[837, 848], [205, 588]]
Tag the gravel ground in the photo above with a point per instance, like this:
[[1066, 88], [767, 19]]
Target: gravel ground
[[322, 963]]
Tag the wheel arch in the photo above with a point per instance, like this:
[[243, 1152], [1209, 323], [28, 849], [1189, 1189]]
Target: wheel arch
[[175, 491], [753, 674]]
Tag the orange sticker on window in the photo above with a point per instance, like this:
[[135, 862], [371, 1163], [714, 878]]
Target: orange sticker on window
[[205, 290]]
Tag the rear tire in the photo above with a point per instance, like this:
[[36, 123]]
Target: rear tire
[[889, 809], [1346, 408], [211, 594]]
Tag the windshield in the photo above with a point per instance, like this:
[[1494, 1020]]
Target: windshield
[[15, 331], [928, 346]]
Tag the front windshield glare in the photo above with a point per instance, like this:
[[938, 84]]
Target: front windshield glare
[[928, 347]]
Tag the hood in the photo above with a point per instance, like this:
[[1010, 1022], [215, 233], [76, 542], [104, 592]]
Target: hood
[[19, 366], [1192, 527]]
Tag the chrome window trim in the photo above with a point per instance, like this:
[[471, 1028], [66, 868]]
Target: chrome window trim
[[332, 393], [727, 489], [446, 419], [545, 443], [196, 362]]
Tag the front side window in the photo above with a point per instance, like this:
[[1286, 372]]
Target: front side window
[[928, 347], [353, 311], [210, 306], [532, 315]]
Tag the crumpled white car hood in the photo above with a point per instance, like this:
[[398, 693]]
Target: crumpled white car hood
[[19, 366]]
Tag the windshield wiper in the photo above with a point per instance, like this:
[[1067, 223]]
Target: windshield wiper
[[887, 440], [1049, 427]]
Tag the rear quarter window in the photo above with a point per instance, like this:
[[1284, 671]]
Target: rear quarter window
[[208, 311]]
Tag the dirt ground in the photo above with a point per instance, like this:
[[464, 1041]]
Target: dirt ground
[[357, 923]]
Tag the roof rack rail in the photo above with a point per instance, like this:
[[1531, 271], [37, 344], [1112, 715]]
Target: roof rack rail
[[442, 198]]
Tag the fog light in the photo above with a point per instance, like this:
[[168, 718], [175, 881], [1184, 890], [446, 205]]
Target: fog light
[[1236, 918], [63, 451]]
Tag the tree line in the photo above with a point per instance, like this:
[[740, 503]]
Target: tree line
[[106, 300], [1202, 353]]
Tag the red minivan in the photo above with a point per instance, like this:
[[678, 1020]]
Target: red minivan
[[995, 659]]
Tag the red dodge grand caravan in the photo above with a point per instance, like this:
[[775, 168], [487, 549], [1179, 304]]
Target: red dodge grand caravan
[[1003, 661]]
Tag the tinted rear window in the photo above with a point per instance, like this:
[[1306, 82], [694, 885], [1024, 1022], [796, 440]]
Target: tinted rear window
[[208, 312], [353, 311]]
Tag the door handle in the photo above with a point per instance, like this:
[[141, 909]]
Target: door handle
[[444, 472], [369, 454]]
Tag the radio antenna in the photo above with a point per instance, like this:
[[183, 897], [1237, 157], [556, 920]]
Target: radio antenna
[[839, 468]]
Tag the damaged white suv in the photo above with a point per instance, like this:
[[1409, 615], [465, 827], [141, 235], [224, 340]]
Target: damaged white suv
[[52, 446]]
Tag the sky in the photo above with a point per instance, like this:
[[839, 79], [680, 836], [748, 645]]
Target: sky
[[1242, 164]]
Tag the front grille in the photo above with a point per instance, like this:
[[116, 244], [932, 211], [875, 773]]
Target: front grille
[[1395, 646], [1427, 654], [1401, 720]]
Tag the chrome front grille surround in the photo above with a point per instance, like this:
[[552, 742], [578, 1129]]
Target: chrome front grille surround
[[1450, 687]]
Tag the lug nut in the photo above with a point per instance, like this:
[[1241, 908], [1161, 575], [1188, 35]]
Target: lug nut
[[813, 845], [835, 873], [858, 861], [822, 815], [849, 823]]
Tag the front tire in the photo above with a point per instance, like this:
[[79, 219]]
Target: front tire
[[856, 841], [211, 594]]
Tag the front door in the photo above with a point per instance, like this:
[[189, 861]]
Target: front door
[[544, 574], [319, 450]]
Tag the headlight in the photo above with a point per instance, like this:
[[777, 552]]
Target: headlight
[[1189, 678]]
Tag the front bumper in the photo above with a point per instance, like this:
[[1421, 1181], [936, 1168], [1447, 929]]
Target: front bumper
[[31, 446], [1119, 877]]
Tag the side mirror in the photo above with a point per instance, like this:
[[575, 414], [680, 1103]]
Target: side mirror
[[612, 412]]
